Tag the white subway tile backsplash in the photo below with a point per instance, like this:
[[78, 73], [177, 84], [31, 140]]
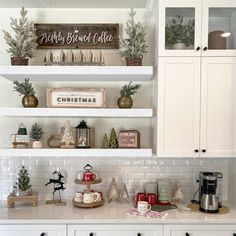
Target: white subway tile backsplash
[[135, 172]]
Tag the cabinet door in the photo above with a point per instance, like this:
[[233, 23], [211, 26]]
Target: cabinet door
[[218, 29], [218, 107], [199, 230], [179, 28], [178, 107], [33, 230], [114, 230]]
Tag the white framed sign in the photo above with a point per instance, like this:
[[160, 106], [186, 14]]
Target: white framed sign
[[76, 97]]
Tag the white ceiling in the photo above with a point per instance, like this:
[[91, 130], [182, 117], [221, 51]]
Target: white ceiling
[[75, 3]]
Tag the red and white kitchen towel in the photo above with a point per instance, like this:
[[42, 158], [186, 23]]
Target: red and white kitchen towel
[[148, 214]]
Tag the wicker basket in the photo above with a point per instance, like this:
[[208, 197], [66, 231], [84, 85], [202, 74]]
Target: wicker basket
[[133, 61], [19, 61]]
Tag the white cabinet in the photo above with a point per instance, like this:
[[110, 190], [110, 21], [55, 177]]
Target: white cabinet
[[33, 230], [213, 32], [114, 230], [196, 107], [199, 230]]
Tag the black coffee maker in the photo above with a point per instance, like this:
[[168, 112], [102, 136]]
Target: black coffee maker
[[210, 191]]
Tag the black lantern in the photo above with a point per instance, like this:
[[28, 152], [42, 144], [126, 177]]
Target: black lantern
[[82, 135]]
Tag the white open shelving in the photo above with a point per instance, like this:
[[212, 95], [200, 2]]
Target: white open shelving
[[75, 112], [54, 152], [77, 73]]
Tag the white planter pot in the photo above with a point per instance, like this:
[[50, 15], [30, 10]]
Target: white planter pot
[[37, 144], [178, 46]]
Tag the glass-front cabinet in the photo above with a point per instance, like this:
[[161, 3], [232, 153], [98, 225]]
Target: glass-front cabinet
[[195, 27], [219, 28]]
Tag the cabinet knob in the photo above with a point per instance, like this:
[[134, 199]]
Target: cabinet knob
[[187, 234], [91, 234], [43, 234], [138, 234], [203, 150], [234, 234], [198, 48], [196, 150], [205, 48]]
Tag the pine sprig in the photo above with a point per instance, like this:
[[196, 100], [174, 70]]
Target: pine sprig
[[128, 90], [23, 44], [24, 88], [36, 132], [135, 45]]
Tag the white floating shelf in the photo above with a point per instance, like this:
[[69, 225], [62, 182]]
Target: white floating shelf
[[77, 73], [74, 112], [76, 152]]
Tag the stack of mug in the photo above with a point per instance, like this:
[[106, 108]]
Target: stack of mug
[[88, 197]]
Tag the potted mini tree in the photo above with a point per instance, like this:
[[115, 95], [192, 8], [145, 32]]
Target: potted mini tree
[[133, 47], [26, 88], [23, 45], [22, 186], [178, 34], [125, 100], [36, 134]]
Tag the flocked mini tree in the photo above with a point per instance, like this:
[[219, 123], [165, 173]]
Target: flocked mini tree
[[113, 142], [23, 44], [36, 132], [67, 139], [105, 142], [134, 46], [23, 181]]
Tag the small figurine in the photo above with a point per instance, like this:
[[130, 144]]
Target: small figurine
[[58, 185]]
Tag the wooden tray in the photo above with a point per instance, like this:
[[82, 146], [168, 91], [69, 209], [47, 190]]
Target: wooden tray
[[96, 181], [88, 205], [195, 207]]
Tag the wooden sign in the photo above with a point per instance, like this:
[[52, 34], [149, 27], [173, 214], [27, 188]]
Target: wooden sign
[[129, 139], [76, 97], [87, 36]]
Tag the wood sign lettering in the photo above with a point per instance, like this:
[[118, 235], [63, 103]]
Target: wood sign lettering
[[86, 36]]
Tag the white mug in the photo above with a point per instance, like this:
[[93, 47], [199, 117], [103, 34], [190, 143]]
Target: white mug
[[91, 197], [143, 207], [78, 197], [80, 175]]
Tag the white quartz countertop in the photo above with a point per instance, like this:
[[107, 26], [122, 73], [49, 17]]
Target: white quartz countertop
[[110, 213]]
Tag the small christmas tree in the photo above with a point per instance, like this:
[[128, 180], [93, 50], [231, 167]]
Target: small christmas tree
[[105, 142], [113, 192], [113, 143], [36, 132], [23, 180], [67, 139]]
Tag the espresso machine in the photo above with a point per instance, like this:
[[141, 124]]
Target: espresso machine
[[210, 192]]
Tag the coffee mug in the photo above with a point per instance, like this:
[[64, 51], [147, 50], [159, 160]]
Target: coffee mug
[[91, 197], [79, 197], [80, 175], [143, 207], [152, 199], [89, 176], [140, 197]]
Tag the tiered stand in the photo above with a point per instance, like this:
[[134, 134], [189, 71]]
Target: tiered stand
[[88, 189]]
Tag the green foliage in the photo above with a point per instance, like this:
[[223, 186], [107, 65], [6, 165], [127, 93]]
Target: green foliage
[[23, 180], [105, 142], [36, 132], [135, 45], [128, 90], [23, 44], [178, 32], [24, 88], [113, 142]]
